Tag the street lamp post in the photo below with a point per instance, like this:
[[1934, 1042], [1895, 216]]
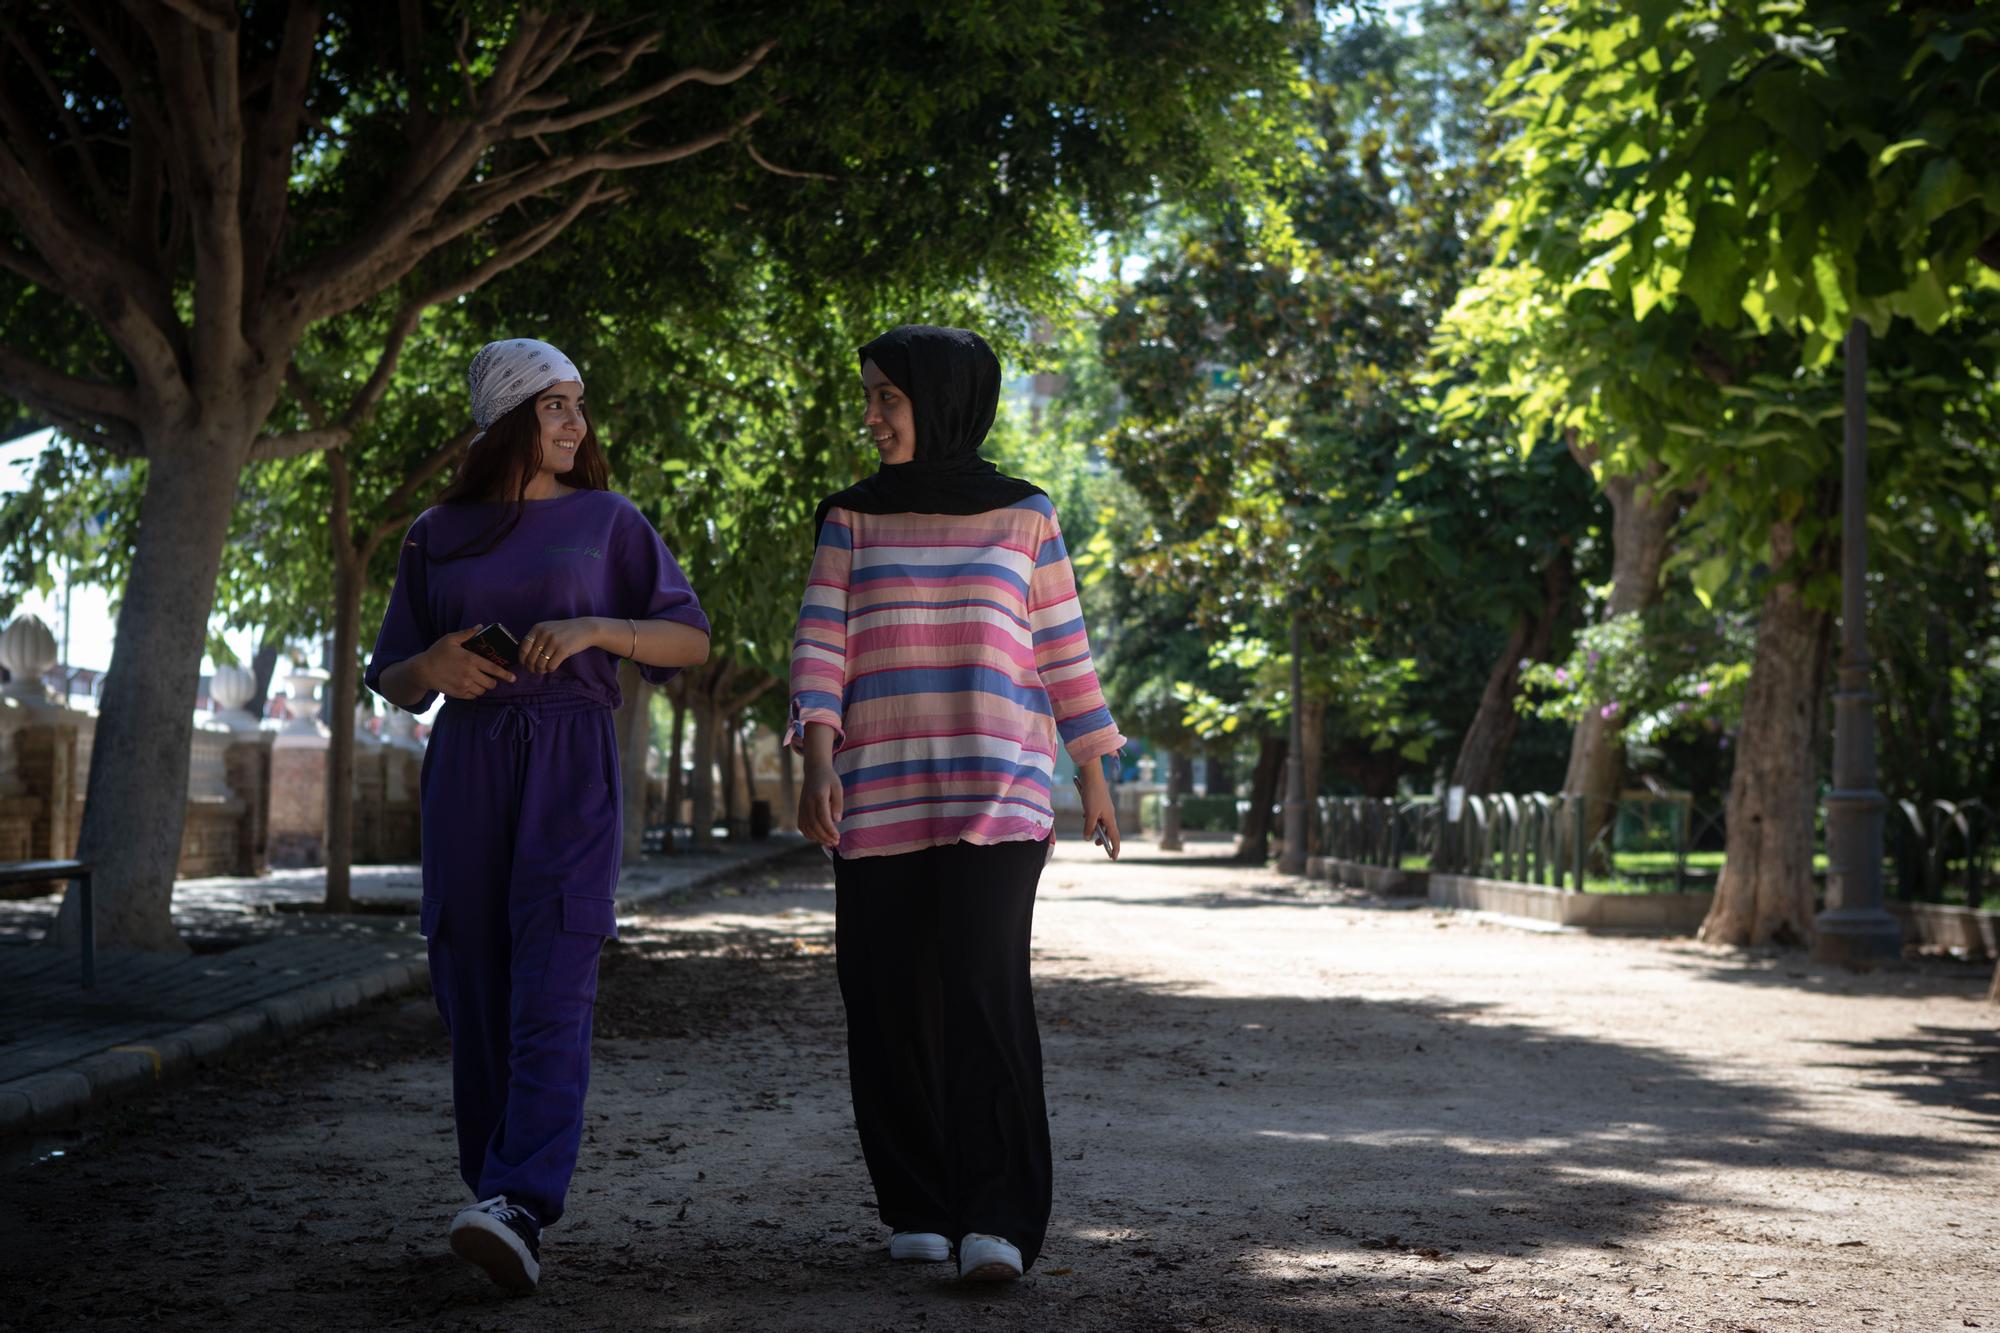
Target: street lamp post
[[1854, 927], [1293, 859]]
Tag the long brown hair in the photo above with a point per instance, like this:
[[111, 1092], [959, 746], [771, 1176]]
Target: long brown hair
[[499, 466]]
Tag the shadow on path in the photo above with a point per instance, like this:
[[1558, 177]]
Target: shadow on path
[[1222, 1162]]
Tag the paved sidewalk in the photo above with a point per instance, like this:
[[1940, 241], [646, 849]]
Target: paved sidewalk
[[262, 967]]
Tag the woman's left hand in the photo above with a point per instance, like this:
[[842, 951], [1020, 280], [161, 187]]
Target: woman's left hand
[[1100, 812], [552, 642]]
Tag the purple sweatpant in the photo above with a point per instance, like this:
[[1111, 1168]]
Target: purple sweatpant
[[521, 838]]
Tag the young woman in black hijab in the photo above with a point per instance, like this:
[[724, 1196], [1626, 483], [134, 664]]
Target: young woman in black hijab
[[939, 665]]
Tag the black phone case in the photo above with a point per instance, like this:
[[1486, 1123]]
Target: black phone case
[[496, 645]]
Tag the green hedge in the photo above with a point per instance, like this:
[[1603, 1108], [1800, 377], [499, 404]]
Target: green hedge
[[1199, 814]]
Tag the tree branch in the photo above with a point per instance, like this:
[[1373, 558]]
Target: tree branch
[[400, 498], [212, 15], [1584, 454], [483, 207], [291, 444], [31, 268], [343, 502], [748, 697], [71, 126], [652, 92], [116, 437], [405, 322], [410, 226], [143, 190], [295, 380], [436, 169], [54, 392], [200, 63], [775, 170], [267, 186], [545, 64], [410, 28]]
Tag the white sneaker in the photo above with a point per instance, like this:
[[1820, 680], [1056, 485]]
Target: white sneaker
[[502, 1238], [919, 1247], [983, 1258]]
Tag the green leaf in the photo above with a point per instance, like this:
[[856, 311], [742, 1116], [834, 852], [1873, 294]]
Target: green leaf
[[1927, 302], [1781, 101], [1709, 576], [1900, 147], [1613, 223], [1944, 186], [1715, 277]]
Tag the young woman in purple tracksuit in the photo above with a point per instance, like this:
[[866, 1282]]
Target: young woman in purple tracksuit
[[520, 803]]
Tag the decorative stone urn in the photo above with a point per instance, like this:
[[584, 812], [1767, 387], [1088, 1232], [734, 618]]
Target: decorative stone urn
[[27, 650], [231, 689], [303, 724]]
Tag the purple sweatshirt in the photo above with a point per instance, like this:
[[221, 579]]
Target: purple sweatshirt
[[588, 553]]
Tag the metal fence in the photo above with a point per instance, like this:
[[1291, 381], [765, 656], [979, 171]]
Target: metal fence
[[1936, 842], [1935, 850]]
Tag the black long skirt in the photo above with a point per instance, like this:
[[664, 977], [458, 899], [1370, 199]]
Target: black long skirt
[[942, 1048]]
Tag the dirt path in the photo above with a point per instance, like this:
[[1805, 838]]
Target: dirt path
[[1272, 1109]]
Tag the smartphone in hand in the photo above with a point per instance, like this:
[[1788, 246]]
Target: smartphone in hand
[[1096, 829], [496, 644]]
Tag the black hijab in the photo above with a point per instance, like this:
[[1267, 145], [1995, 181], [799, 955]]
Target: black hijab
[[952, 380]]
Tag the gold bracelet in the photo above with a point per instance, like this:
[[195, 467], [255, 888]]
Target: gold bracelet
[[634, 654]]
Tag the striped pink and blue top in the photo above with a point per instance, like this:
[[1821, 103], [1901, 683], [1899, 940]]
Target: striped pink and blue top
[[947, 652]]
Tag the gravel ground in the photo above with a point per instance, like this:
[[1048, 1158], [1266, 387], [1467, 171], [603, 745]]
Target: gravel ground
[[1274, 1107]]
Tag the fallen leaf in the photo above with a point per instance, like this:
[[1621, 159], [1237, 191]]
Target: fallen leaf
[[1480, 1268], [1056, 1272]]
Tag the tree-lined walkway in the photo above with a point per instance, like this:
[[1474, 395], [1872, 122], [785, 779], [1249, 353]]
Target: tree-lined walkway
[[1273, 1106]]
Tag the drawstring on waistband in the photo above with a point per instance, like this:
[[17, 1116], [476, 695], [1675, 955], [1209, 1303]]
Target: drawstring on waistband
[[523, 723]]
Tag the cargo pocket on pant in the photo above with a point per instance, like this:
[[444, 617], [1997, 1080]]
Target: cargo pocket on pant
[[586, 923]]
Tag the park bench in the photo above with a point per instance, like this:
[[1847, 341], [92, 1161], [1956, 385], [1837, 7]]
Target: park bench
[[29, 872]]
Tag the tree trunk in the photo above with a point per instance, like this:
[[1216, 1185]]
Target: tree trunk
[[136, 807], [635, 737], [1254, 846], [726, 767], [1312, 719], [1221, 775], [1765, 893], [263, 665], [1482, 756], [1180, 781], [342, 689], [674, 784], [702, 799], [1642, 522]]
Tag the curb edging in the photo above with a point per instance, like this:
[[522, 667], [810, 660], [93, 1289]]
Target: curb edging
[[57, 1095]]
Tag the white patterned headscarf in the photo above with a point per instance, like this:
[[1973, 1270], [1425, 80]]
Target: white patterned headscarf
[[506, 374]]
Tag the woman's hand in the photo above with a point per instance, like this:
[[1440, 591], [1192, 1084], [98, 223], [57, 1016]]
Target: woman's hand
[[1098, 809], [550, 643], [820, 796], [455, 671], [819, 806]]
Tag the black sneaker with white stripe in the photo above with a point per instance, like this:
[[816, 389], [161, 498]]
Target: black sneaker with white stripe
[[503, 1239]]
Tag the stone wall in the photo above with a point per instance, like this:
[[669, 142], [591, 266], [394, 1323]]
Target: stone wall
[[298, 803]]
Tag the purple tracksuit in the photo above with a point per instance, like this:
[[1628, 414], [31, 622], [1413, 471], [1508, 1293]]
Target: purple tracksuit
[[521, 827]]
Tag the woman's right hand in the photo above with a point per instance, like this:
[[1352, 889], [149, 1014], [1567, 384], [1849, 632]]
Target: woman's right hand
[[819, 805], [455, 671]]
